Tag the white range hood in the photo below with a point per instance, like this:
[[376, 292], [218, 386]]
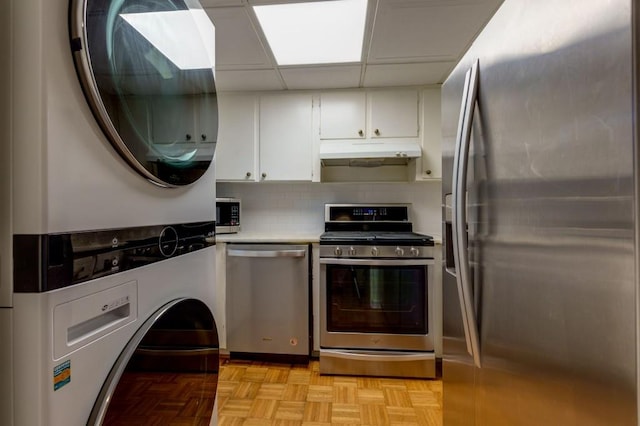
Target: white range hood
[[368, 153]]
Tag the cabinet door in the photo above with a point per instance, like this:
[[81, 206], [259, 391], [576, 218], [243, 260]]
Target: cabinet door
[[431, 135], [342, 115], [208, 119], [394, 113], [236, 147], [135, 121], [286, 137], [174, 120]]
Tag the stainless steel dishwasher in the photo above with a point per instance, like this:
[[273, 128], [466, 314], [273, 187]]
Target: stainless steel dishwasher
[[268, 300]]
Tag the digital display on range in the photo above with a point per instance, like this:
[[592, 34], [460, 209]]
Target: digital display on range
[[368, 213]]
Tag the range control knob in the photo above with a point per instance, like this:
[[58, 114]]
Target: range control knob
[[374, 251], [338, 251], [399, 251], [414, 252], [352, 251]]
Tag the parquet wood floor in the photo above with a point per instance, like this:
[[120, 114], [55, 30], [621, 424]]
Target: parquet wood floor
[[176, 399], [256, 394]]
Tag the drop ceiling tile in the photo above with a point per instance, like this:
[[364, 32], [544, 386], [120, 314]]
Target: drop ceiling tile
[[406, 74], [426, 30], [247, 80], [325, 77], [237, 44]]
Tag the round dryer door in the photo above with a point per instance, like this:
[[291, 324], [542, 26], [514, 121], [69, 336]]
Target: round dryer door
[[147, 71], [167, 373]]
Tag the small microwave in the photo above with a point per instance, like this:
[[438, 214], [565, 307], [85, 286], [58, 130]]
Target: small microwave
[[227, 215]]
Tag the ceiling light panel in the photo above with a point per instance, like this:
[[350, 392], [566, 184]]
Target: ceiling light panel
[[314, 32], [185, 37]]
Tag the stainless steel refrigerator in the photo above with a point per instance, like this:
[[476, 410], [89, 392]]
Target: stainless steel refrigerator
[[540, 216]]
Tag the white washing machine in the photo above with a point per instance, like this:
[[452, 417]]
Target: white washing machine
[[107, 213], [136, 347]]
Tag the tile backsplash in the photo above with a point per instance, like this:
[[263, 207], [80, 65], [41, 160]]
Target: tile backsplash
[[299, 207]]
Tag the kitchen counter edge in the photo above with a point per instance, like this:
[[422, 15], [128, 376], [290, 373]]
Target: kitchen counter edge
[[250, 237]]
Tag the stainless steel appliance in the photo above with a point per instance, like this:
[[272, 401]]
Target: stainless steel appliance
[[540, 218], [228, 215], [268, 301], [376, 293]]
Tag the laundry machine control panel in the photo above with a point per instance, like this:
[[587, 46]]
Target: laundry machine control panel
[[48, 262]]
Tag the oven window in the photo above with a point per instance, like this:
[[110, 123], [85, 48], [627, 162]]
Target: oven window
[[377, 299]]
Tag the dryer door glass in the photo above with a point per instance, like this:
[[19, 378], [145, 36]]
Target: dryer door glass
[[147, 71]]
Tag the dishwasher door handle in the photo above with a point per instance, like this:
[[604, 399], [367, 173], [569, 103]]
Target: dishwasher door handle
[[266, 253]]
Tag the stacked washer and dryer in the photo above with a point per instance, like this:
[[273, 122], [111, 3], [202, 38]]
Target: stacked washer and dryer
[[107, 241]]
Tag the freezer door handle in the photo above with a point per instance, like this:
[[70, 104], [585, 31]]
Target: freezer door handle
[[459, 213]]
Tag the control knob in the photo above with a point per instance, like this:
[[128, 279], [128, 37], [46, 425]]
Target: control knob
[[352, 251], [414, 252], [374, 251], [399, 251], [338, 251], [168, 241]]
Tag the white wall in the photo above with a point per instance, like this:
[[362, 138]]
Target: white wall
[[299, 207]]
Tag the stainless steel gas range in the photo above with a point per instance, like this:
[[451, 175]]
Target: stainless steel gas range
[[376, 293]]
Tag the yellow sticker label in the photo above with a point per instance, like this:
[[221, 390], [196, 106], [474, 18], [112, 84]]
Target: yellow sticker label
[[61, 375]]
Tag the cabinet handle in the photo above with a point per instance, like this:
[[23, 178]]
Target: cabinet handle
[[377, 132], [360, 132], [248, 174], [188, 137], [203, 137], [264, 175], [428, 172]]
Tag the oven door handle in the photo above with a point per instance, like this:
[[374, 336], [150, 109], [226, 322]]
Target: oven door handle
[[459, 213], [377, 262], [378, 356]]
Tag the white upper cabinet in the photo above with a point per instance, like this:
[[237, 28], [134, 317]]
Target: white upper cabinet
[[286, 137], [265, 138], [280, 136], [207, 126], [343, 115], [138, 112], [173, 120], [369, 115], [236, 148], [394, 114], [180, 119], [430, 165]]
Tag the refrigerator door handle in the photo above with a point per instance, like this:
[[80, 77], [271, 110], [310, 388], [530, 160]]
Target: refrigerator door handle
[[459, 213]]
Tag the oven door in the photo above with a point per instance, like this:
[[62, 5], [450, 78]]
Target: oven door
[[376, 304]]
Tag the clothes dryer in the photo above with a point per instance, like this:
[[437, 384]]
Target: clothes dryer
[[110, 197], [88, 78]]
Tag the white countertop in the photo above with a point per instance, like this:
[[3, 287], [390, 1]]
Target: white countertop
[[269, 237]]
